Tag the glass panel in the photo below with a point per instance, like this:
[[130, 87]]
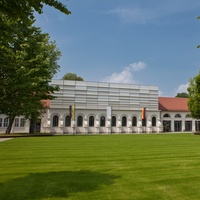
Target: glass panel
[[91, 121], [67, 121], [6, 121], [80, 121], [153, 121], [124, 121], [22, 122], [134, 121], [55, 120], [102, 121], [113, 121], [16, 124], [1, 122]]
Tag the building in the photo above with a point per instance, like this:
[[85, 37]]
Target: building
[[94, 108], [102, 108], [175, 115]]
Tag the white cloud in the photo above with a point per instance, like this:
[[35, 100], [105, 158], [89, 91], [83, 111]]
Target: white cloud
[[135, 15], [142, 15], [182, 88], [126, 76]]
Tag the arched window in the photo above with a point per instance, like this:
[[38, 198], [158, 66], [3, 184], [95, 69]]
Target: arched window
[[178, 116], [67, 121], [55, 120], [134, 121], [166, 115], [91, 121], [113, 122], [79, 121], [102, 121], [124, 121], [153, 121]]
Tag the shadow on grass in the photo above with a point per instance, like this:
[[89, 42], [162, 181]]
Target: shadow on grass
[[54, 184]]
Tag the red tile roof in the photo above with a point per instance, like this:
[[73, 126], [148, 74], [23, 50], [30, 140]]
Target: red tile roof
[[172, 104]]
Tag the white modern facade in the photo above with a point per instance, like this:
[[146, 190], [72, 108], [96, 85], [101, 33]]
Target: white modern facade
[[102, 108]]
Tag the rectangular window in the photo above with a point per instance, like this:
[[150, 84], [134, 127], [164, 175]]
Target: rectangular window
[[22, 122], [5, 123], [1, 122], [16, 124]]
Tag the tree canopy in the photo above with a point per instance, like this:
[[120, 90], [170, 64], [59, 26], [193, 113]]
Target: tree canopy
[[182, 95], [194, 94], [20, 9], [28, 61], [72, 76], [194, 97]]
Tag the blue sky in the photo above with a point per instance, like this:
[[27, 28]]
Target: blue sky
[[148, 42]]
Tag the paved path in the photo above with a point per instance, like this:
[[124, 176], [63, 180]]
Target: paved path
[[4, 139]]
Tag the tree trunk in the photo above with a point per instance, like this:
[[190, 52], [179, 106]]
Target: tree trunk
[[11, 120], [32, 126]]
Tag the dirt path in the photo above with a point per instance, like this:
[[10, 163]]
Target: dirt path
[[4, 139]]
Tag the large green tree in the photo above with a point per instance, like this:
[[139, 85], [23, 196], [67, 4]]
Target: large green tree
[[194, 97], [72, 76], [194, 94], [28, 61]]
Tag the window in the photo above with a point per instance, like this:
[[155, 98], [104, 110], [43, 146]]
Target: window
[[16, 124], [188, 125], [113, 122], [187, 116], [68, 121], [80, 121], [55, 120], [1, 122], [166, 115], [102, 121], [6, 121], [91, 121], [177, 115], [134, 121], [124, 121], [22, 122], [177, 126], [153, 121]]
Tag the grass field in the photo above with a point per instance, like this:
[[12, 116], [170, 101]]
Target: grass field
[[101, 167]]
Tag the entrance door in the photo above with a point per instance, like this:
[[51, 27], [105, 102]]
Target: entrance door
[[177, 126], [188, 125]]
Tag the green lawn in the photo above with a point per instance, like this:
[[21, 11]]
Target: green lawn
[[142, 167]]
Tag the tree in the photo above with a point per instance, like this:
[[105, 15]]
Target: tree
[[28, 61], [194, 97], [21, 9], [72, 76], [182, 95]]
